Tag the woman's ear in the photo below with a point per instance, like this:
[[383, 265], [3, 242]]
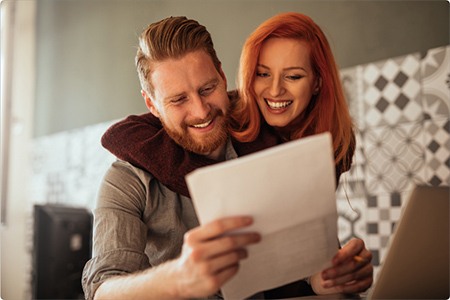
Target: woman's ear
[[149, 103], [318, 86]]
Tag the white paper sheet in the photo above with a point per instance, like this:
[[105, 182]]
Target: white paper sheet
[[290, 192]]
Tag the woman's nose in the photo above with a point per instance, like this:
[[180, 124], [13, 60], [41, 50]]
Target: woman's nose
[[276, 87]]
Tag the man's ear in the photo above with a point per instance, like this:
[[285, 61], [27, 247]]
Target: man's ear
[[222, 74], [149, 103]]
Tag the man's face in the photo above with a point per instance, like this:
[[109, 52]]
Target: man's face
[[190, 98]]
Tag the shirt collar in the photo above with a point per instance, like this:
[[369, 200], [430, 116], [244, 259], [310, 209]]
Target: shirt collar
[[230, 152]]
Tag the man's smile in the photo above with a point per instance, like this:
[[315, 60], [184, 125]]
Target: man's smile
[[203, 125]]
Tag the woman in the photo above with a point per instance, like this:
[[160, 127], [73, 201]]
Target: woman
[[288, 80], [289, 76]]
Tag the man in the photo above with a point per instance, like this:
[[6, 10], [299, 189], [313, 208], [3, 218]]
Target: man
[[147, 242]]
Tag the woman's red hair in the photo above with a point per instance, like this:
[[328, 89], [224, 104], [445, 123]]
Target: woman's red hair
[[327, 110]]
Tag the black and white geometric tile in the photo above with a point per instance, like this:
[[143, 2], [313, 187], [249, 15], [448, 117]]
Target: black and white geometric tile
[[352, 183], [404, 139], [437, 151], [352, 85], [382, 214], [395, 158], [435, 73], [392, 91], [352, 218]]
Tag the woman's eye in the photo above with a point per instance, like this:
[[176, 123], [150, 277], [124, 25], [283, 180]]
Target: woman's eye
[[262, 74], [294, 77]]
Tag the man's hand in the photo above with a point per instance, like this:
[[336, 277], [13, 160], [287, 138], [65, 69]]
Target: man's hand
[[352, 271], [210, 256]]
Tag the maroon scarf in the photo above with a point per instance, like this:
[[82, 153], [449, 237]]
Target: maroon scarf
[[142, 141]]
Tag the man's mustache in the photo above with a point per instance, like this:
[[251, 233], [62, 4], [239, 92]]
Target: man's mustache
[[215, 112]]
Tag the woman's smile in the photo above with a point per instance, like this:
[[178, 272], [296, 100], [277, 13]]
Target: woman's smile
[[278, 104]]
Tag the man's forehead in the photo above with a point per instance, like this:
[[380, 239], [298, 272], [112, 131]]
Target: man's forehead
[[183, 75]]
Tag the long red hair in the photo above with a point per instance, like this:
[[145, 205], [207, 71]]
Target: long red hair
[[327, 111]]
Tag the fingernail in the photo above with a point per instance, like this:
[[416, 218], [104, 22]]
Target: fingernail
[[257, 237], [248, 220], [243, 254]]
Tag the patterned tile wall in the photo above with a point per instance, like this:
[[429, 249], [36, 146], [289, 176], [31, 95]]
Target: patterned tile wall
[[401, 111], [400, 107]]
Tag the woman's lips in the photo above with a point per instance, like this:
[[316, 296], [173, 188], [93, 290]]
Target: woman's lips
[[278, 104]]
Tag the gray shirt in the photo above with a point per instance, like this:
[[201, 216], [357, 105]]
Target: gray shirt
[[138, 223]]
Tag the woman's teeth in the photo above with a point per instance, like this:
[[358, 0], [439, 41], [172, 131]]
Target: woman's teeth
[[203, 125], [278, 104]]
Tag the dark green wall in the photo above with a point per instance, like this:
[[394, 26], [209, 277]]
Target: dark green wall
[[85, 48]]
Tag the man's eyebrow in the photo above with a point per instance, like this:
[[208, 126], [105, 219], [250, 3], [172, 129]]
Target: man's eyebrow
[[211, 81]]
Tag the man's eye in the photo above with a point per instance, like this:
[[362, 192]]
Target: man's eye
[[178, 100], [206, 91]]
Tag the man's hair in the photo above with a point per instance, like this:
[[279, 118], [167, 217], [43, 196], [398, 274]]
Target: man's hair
[[171, 38]]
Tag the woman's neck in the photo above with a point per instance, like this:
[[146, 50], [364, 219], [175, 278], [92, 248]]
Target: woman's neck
[[287, 133], [284, 132]]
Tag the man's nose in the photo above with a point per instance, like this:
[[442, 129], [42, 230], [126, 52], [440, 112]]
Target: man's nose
[[200, 107]]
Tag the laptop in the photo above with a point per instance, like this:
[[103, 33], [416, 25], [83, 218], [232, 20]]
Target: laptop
[[416, 265]]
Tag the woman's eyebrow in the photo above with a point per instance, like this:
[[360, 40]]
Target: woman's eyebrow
[[286, 69], [295, 68]]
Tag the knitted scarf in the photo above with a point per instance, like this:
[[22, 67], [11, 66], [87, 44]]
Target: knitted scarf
[[142, 141]]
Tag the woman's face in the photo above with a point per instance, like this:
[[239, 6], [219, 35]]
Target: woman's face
[[285, 81]]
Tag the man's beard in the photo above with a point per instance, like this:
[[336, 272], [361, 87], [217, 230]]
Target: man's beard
[[210, 142]]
